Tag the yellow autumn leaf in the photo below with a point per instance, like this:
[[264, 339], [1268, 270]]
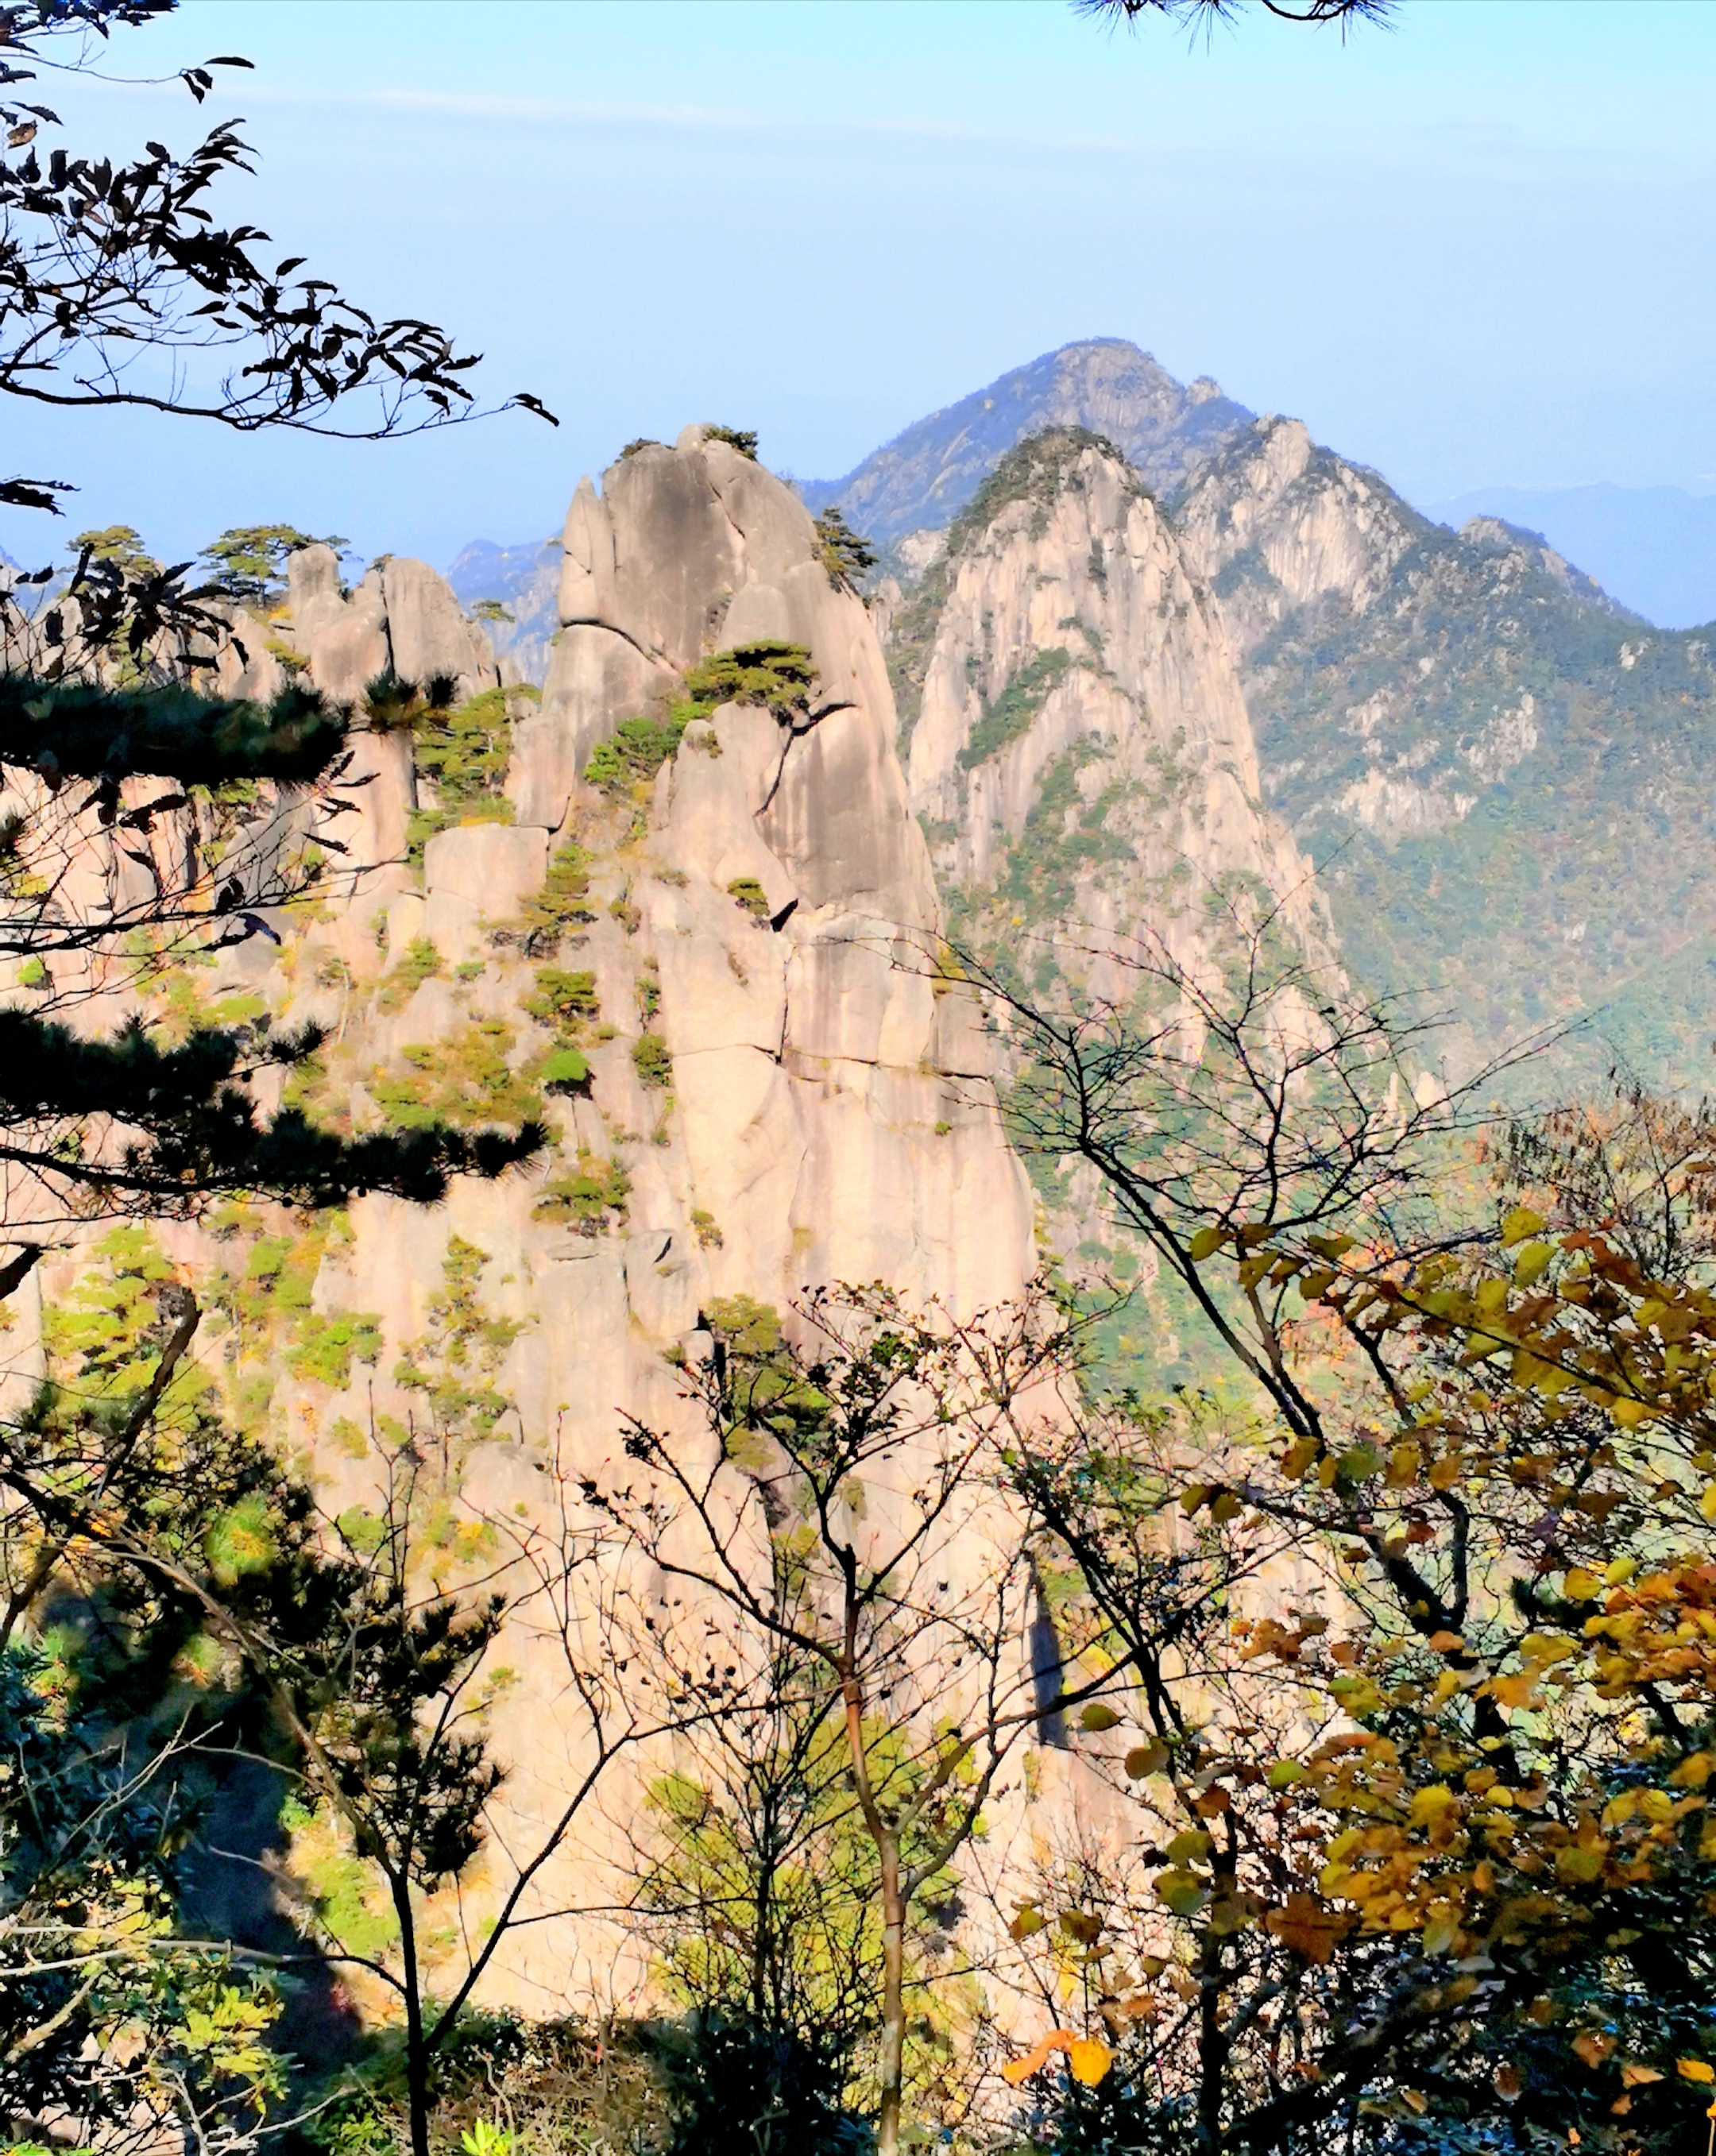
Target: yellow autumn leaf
[[1520, 1224], [1205, 1243], [1583, 1585], [1097, 1717], [1089, 2060], [1192, 1845], [1532, 1263], [1300, 1455], [1695, 2070], [1428, 1804], [1578, 1866], [1147, 1758], [1707, 1503]]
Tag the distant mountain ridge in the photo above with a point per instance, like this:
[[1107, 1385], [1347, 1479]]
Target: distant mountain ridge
[[1653, 547], [927, 473], [525, 580]]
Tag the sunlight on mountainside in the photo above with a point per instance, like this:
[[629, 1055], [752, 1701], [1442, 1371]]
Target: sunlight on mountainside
[[851, 1315]]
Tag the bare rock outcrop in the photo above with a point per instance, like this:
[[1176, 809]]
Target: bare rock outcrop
[[1082, 740], [402, 618]]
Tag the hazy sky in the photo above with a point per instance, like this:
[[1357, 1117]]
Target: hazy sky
[[1476, 250]]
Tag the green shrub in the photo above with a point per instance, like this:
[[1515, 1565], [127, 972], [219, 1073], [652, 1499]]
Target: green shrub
[[465, 1079], [777, 676], [464, 753], [565, 1072], [558, 907], [591, 1201], [651, 1061], [562, 999], [847, 559], [452, 1365], [741, 438], [751, 895], [328, 1346], [636, 750], [422, 962]]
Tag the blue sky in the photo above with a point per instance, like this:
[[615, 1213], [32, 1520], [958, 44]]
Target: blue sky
[[1476, 250]]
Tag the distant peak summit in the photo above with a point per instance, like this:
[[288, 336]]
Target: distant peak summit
[[926, 475]]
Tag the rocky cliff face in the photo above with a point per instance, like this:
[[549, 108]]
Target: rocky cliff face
[[1078, 746], [929, 474], [711, 980], [777, 1094]]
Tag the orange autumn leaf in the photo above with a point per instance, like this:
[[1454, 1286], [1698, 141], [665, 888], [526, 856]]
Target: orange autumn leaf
[[1020, 2069]]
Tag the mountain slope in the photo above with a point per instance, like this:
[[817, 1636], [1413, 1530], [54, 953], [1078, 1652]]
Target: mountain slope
[[1653, 546], [926, 475], [1505, 778]]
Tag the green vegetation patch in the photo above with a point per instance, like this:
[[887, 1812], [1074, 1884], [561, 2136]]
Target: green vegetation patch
[[741, 439], [558, 907], [422, 962], [592, 1201], [1010, 715], [847, 559], [454, 1365], [464, 753], [466, 1079], [566, 1071], [563, 999], [780, 677], [1038, 470], [651, 1061]]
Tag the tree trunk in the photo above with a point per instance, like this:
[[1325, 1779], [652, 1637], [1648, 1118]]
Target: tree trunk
[[417, 2096], [893, 1999]]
